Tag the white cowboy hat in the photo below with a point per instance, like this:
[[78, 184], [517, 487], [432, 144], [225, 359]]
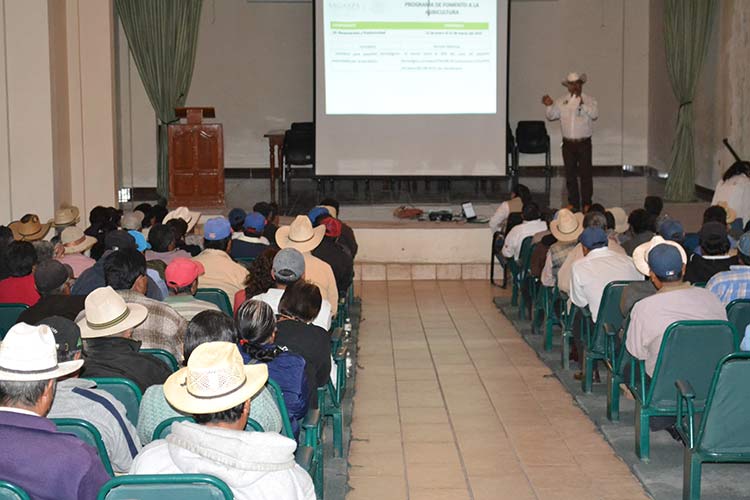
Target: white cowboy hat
[[74, 241], [567, 226], [29, 353], [621, 219], [132, 221], [300, 235], [574, 77], [108, 314], [183, 213], [215, 379], [640, 254], [66, 216]]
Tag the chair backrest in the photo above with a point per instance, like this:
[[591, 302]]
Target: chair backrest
[[89, 434], [9, 314], [723, 428], [165, 356], [9, 491], [164, 428], [510, 141], [161, 486], [738, 313], [532, 137], [299, 147], [527, 248], [303, 126], [690, 351], [278, 396], [609, 312], [215, 296], [125, 391]]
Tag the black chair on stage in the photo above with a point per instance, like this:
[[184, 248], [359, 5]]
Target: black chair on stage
[[510, 152], [299, 150], [532, 139]]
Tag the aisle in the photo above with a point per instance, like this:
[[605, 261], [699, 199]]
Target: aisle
[[451, 403]]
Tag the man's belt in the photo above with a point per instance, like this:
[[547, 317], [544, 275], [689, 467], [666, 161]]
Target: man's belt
[[584, 139]]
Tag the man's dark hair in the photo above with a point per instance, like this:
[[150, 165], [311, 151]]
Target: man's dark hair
[[737, 168], [21, 258], [226, 416], [531, 211], [161, 236], [6, 236], [158, 212], [653, 205], [15, 394], [217, 244], [610, 219], [523, 192], [179, 227], [331, 202], [123, 267], [301, 300], [715, 213], [98, 216], [598, 207], [267, 210], [640, 221], [208, 326], [595, 219], [45, 250]]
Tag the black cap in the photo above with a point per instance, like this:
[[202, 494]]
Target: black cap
[[67, 336], [51, 274], [119, 240]]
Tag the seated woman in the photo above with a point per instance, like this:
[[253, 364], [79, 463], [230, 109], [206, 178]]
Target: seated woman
[[206, 326], [734, 189], [714, 256], [259, 278], [256, 325]]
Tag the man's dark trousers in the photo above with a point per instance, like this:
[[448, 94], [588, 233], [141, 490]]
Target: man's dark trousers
[[577, 158]]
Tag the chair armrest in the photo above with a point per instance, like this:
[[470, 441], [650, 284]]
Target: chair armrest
[[341, 353], [685, 397], [312, 418], [608, 330], [685, 389], [304, 457]]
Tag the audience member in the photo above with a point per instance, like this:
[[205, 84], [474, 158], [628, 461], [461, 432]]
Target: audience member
[[132, 221], [66, 217], [734, 189], [164, 245], [191, 218], [333, 253], [301, 236], [145, 209], [641, 230], [271, 212], [620, 218], [76, 244], [163, 328], [52, 281], [220, 270], [259, 278], [347, 238], [653, 205], [108, 347], [236, 218], [216, 389], [6, 238], [182, 279], [19, 287], [532, 224], [714, 257], [672, 230], [79, 398], [36, 457], [45, 250], [180, 228], [734, 283], [207, 326], [251, 242], [29, 228], [566, 229]]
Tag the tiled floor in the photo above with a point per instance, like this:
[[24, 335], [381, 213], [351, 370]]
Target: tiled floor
[[451, 403]]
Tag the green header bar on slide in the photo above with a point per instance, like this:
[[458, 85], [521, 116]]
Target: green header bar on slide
[[395, 25]]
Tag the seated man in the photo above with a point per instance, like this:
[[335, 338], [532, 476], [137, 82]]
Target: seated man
[[566, 228], [78, 398], [19, 287], [332, 252], [164, 245], [676, 300], [52, 280], [36, 457], [182, 279], [271, 213], [75, 244], [251, 242], [236, 218], [347, 238], [641, 230], [532, 224], [515, 204], [220, 270], [108, 347], [163, 328], [735, 283], [714, 256], [216, 388]]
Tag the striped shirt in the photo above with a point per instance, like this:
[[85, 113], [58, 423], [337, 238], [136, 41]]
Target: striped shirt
[[188, 306], [731, 285]]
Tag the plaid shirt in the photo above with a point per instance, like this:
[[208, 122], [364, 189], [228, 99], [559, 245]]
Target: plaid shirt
[[558, 253], [164, 328], [731, 285]]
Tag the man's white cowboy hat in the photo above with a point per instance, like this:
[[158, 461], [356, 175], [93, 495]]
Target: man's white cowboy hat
[[300, 235], [29, 353], [74, 241], [215, 379], [567, 226], [640, 254], [66, 216], [621, 219], [183, 213], [574, 77], [108, 314]]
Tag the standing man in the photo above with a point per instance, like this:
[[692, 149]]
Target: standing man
[[576, 111]]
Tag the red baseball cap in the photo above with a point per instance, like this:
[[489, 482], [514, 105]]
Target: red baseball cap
[[333, 227], [182, 272]]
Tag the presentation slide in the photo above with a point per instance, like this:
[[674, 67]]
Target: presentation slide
[[410, 57]]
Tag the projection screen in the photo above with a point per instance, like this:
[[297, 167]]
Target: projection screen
[[413, 88]]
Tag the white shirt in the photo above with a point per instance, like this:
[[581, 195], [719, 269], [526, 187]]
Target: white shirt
[[594, 272], [512, 246], [736, 193], [575, 119], [273, 296], [497, 221]]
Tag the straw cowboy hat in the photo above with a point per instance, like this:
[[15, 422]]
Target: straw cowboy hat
[[568, 226], [731, 213], [215, 379], [29, 353], [107, 314], [621, 219], [640, 254], [74, 241], [183, 213], [300, 235], [66, 216], [574, 77], [29, 228]]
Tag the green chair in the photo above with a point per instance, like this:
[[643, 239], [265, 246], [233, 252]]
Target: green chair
[[738, 313], [278, 396], [165, 356], [721, 435], [567, 318], [216, 296], [9, 314], [518, 275], [161, 486], [245, 260], [689, 350], [615, 363], [9, 491], [700, 284], [329, 400], [125, 391], [89, 434], [164, 428]]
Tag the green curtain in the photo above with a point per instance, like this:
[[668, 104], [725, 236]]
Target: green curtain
[[162, 35], [687, 31]]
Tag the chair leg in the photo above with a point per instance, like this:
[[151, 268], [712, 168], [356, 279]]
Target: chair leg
[[565, 356], [613, 397], [338, 432], [521, 302], [514, 293], [588, 370], [642, 437], [691, 476]]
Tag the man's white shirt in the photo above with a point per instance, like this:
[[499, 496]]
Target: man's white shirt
[[575, 119]]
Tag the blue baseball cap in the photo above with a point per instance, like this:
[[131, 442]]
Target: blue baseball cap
[[236, 216], [316, 212], [255, 221], [593, 238], [217, 229], [665, 260], [140, 241], [743, 246], [672, 230]]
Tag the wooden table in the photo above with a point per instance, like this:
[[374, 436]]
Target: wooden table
[[275, 142]]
